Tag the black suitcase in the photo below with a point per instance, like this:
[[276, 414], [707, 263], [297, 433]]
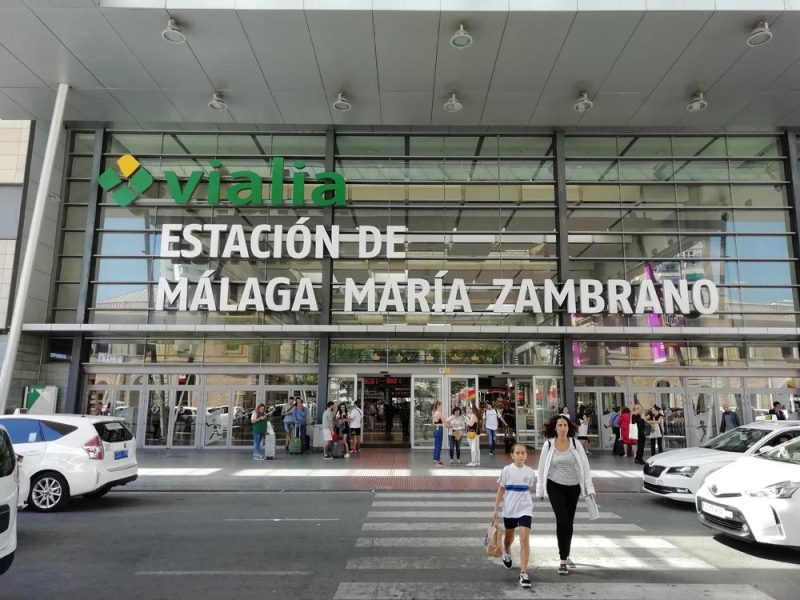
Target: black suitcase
[[619, 448], [509, 442]]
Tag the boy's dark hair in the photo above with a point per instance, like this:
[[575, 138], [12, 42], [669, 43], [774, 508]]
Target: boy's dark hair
[[550, 426], [329, 404]]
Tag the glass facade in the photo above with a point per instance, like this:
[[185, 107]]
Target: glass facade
[[475, 207]]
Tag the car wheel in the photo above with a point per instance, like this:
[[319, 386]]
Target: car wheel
[[5, 562], [49, 492], [98, 493]]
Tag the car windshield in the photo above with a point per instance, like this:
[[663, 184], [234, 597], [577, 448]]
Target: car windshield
[[788, 452], [736, 440]]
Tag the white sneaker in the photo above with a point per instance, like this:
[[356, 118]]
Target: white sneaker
[[470, 464], [347, 455]]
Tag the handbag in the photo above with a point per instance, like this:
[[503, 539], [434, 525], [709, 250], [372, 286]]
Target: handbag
[[457, 433], [633, 432], [493, 542], [592, 508], [471, 435]]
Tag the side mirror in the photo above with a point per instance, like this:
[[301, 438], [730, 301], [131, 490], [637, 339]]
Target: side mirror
[[763, 449]]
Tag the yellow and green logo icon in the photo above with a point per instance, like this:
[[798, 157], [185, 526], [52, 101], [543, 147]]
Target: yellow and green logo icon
[[134, 182]]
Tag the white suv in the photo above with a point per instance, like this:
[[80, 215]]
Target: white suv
[[71, 455], [9, 489]]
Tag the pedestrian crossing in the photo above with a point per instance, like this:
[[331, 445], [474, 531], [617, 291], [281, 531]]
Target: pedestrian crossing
[[426, 545]]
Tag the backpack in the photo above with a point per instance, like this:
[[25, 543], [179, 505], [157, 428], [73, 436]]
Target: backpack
[[615, 420], [647, 429]]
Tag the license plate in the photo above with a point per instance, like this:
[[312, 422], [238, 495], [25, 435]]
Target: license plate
[[653, 480], [120, 454], [717, 511]]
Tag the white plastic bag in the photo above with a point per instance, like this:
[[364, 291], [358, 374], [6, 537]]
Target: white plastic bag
[[592, 508]]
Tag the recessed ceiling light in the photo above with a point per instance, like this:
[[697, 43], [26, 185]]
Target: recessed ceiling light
[[760, 35], [461, 39], [583, 103], [453, 105], [172, 33], [697, 104], [342, 104], [216, 102]]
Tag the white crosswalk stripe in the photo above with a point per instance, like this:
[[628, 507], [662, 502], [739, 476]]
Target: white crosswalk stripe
[[407, 533]]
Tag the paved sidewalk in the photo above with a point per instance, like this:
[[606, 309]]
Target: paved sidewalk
[[372, 469]]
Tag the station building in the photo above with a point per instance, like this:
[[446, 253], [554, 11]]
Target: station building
[[393, 205]]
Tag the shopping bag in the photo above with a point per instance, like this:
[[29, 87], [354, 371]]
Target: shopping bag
[[592, 508], [633, 432], [493, 542]]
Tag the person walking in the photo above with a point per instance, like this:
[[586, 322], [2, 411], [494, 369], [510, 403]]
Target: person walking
[[638, 420], [613, 422], [473, 437], [356, 417], [730, 420], [656, 421], [457, 424], [625, 429], [259, 421], [438, 433], [288, 420], [564, 475], [327, 431], [490, 424], [300, 417], [341, 424], [514, 491]]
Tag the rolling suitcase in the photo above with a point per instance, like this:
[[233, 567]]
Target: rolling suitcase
[[337, 449], [296, 444], [269, 446], [619, 448]]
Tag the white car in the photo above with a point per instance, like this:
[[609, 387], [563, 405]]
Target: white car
[[756, 498], [71, 455], [678, 474], [9, 492]]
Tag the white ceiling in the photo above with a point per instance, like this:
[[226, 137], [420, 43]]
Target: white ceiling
[[285, 67]]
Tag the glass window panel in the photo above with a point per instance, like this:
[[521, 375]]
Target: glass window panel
[[525, 146], [594, 269], [526, 170], [120, 297], [706, 246], [67, 295], [708, 220], [759, 196], [528, 220], [762, 221], [766, 273], [238, 144], [754, 146], [772, 356], [426, 145], [530, 193], [190, 143], [703, 195], [75, 217], [649, 220], [594, 220], [644, 146], [114, 351], [364, 145], [121, 269], [650, 194], [705, 170], [645, 170], [757, 170], [298, 145], [83, 143], [72, 244], [134, 143], [595, 246], [64, 316], [590, 146], [593, 193], [128, 244], [78, 192], [698, 146], [119, 317], [470, 146], [127, 218], [646, 246], [70, 269], [596, 170], [765, 247]]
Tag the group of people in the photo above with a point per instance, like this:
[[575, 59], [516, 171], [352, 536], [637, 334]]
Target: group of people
[[341, 426], [632, 427], [563, 476], [458, 426]]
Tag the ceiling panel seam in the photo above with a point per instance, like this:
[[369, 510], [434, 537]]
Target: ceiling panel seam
[[44, 83], [494, 67], [614, 63], [377, 70], [258, 62], [199, 63], [672, 66], [25, 110], [319, 69], [552, 67], [435, 70]]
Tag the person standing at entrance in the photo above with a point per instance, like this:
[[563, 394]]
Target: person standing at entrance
[[300, 416], [438, 433], [259, 421], [327, 431], [490, 423], [638, 420], [656, 433], [730, 420], [457, 424], [473, 437], [564, 475], [288, 420], [355, 429], [341, 425]]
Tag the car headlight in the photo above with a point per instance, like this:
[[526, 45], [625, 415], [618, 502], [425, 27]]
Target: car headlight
[[784, 489], [685, 471]]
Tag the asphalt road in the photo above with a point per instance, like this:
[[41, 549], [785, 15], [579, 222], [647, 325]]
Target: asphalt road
[[363, 545]]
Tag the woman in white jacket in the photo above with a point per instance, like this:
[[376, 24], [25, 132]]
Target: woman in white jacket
[[564, 476]]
